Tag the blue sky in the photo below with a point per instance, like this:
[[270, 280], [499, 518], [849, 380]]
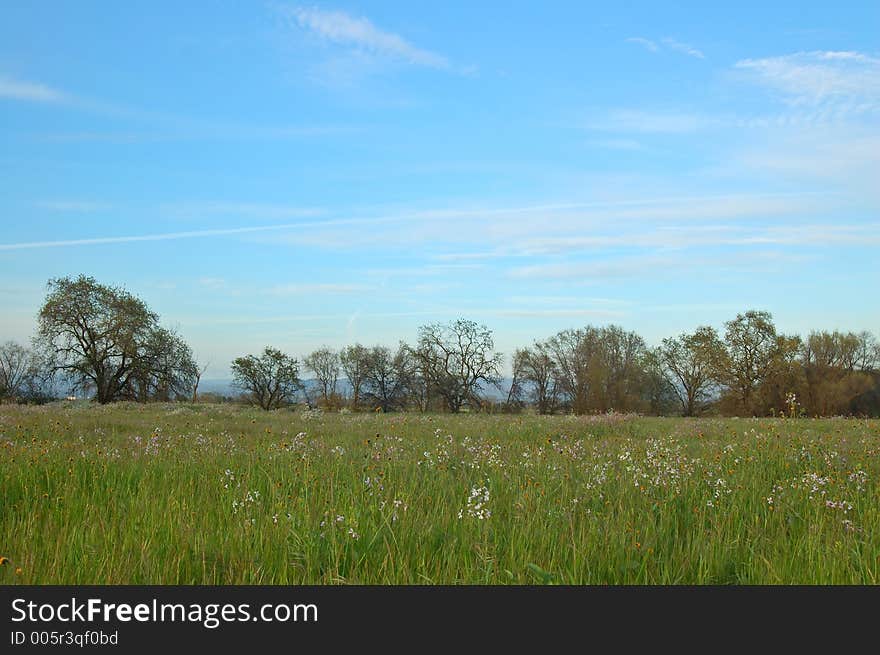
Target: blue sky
[[308, 174]]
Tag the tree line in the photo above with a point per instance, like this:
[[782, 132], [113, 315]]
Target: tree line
[[104, 340]]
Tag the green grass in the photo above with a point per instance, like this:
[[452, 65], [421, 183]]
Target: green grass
[[141, 495]]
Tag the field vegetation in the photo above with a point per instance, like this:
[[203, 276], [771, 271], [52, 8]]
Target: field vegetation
[[174, 493]]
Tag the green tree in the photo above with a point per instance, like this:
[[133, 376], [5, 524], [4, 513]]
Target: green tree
[[105, 338], [750, 346], [690, 363], [272, 379]]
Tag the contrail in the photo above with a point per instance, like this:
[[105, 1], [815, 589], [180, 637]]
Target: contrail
[[442, 214], [168, 235]]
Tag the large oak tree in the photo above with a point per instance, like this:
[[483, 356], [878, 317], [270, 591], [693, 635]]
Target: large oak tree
[[105, 338]]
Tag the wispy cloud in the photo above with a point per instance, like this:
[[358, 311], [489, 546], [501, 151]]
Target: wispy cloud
[[164, 126], [167, 236], [242, 209], [817, 76], [317, 288], [361, 34], [678, 237], [250, 320], [848, 158], [647, 121], [683, 48], [28, 91], [667, 43], [558, 313], [658, 265], [565, 300]]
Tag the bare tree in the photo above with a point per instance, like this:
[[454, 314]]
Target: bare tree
[[516, 392], [837, 369], [867, 352], [353, 360], [199, 372], [573, 352], [15, 361], [324, 363], [619, 370], [456, 359], [660, 394], [539, 369], [387, 377], [272, 379], [598, 369], [23, 375]]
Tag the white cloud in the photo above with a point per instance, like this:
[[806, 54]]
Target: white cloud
[[317, 288], [558, 313], [670, 44], [167, 236], [818, 76], [28, 91], [565, 300], [657, 266], [194, 234], [677, 238], [361, 34], [243, 209], [848, 158], [683, 48]]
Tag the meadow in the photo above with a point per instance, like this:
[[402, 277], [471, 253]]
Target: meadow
[[219, 494]]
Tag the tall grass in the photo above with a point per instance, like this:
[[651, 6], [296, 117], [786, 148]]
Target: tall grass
[[217, 495]]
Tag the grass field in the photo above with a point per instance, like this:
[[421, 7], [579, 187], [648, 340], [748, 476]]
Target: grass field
[[202, 494]]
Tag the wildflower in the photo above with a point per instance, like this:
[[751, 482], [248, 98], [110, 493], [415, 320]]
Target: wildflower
[[859, 478], [476, 504], [4, 561], [840, 504]]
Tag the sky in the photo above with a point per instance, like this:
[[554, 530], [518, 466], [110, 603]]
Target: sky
[[299, 175]]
